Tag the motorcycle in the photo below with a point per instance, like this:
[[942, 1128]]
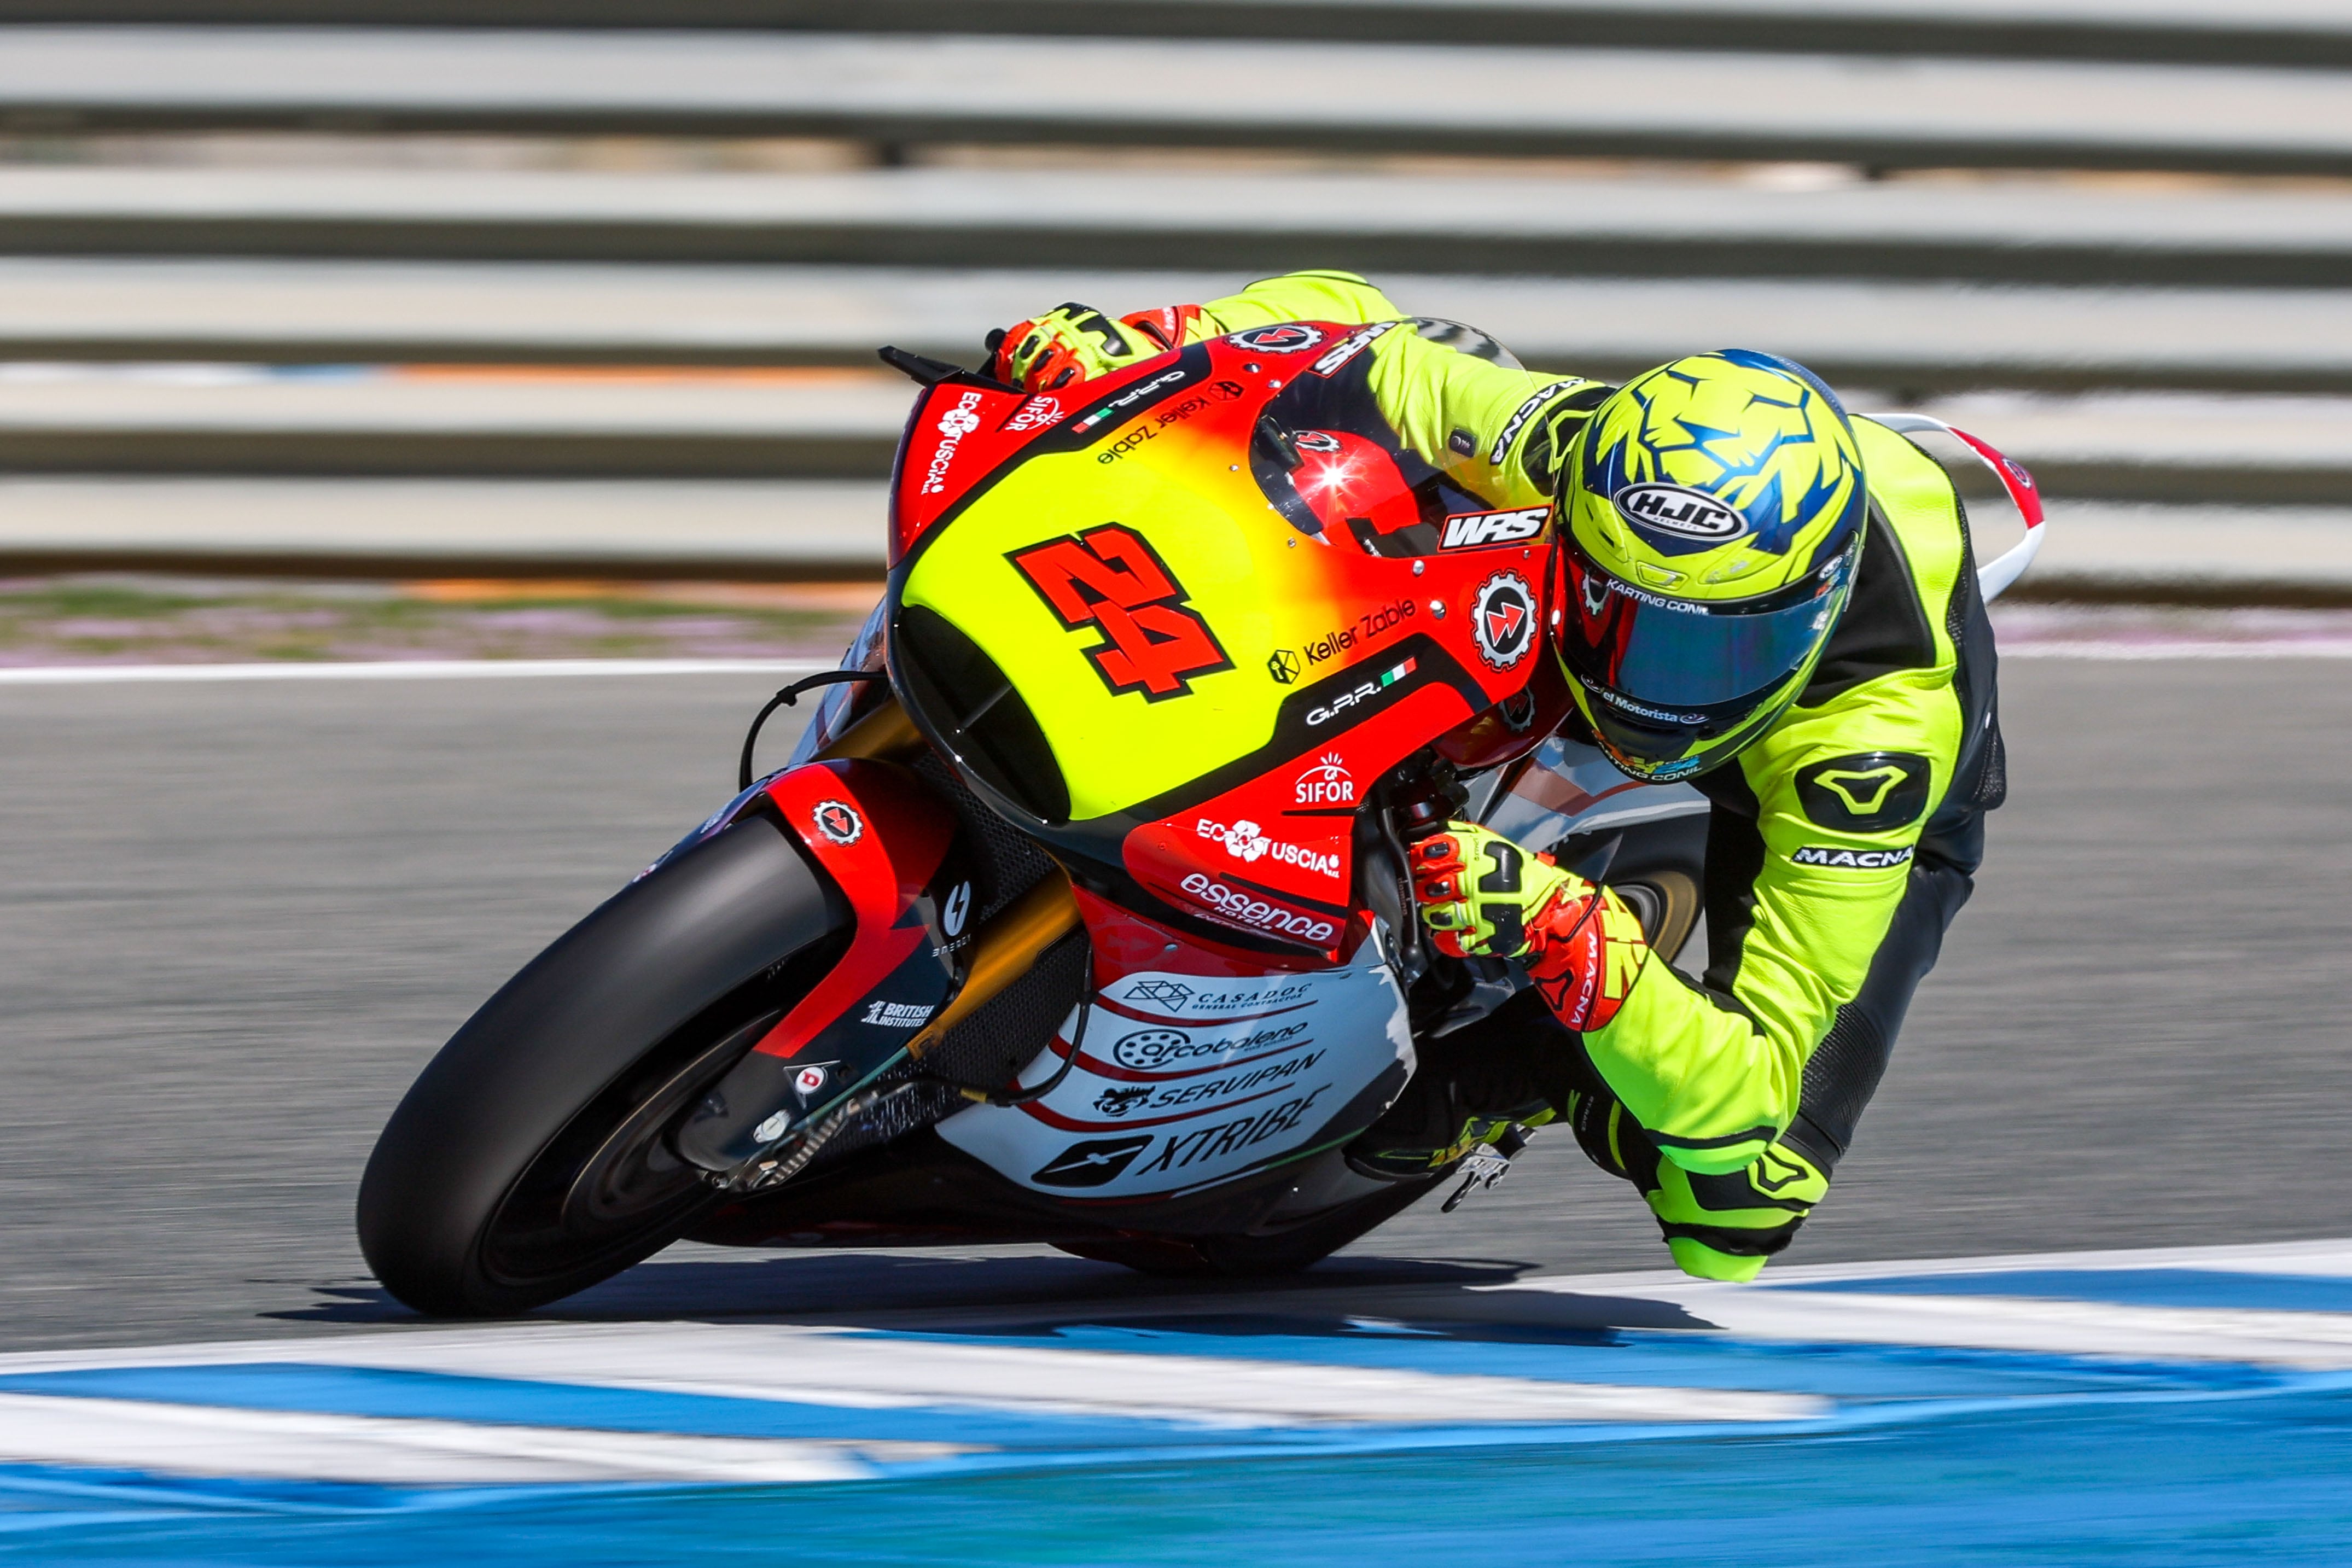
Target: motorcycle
[[1080, 915]]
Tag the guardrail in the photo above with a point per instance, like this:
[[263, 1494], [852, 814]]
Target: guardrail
[[2196, 33], [891, 93]]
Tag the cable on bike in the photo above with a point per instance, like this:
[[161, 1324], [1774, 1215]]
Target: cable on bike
[[787, 698]]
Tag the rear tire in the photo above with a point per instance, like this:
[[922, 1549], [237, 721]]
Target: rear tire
[[531, 1158], [1254, 1257]]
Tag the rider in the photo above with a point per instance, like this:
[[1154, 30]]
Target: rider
[[1756, 594]]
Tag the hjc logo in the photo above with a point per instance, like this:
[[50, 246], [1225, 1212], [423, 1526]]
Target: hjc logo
[[1110, 580]]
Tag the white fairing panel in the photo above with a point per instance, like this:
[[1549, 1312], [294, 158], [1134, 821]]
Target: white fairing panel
[[1183, 1081]]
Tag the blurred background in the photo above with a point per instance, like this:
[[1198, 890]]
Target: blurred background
[[527, 298], [376, 330]]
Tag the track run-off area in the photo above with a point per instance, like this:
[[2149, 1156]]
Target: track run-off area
[[237, 913]]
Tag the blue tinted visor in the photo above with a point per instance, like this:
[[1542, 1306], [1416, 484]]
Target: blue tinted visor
[[1683, 672]]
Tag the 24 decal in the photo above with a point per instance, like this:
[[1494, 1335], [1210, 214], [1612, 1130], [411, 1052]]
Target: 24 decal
[[1112, 580]]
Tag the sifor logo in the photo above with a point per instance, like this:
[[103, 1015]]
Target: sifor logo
[[1327, 783], [1503, 619], [1283, 665], [1864, 792], [1110, 580], [838, 820]]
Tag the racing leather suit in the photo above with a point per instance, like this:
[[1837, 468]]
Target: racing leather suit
[[1840, 844]]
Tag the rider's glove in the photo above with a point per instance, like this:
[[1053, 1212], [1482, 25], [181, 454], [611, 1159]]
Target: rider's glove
[[1078, 342], [1481, 895]]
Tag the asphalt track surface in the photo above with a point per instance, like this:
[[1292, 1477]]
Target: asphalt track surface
[[235, 919]]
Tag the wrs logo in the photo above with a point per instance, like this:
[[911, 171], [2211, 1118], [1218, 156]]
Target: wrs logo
[[1108, 579]]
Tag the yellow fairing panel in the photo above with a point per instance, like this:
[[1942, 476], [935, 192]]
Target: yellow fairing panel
[[1248, 575]]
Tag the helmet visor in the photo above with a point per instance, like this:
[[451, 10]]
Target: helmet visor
[[1673, 673]]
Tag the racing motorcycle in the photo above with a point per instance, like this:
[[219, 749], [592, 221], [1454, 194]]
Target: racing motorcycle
[[1080, 915]]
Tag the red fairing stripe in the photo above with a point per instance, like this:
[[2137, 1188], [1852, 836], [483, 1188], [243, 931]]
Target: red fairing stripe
[[881, 837], [2023, 492]]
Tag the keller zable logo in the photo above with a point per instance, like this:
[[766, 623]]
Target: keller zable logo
[[1291, 338], [1283, 665], [1326, 782], [1503, 619], [839, 821]]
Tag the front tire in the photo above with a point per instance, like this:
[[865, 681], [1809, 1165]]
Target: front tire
[[531, 1158]]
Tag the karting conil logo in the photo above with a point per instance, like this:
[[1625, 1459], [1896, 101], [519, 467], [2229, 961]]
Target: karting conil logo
[[1109, 579]]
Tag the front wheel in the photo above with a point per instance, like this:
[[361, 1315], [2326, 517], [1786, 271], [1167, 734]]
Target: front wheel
[[533, 1158]]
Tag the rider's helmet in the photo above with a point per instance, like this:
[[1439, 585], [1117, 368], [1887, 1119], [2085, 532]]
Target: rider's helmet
[[1711, 520]]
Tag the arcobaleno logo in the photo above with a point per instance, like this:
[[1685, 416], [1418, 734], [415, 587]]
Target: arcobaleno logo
[[1678, 509]]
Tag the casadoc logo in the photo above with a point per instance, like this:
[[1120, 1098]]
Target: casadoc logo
[[1677, 509]]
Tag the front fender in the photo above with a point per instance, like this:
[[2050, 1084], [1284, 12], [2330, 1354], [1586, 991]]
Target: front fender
[[891, 848]]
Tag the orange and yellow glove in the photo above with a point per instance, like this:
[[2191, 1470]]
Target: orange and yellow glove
[[1481, 895], [1076, 342]]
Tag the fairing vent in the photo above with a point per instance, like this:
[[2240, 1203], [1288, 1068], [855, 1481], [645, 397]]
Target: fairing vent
[[963, 697]]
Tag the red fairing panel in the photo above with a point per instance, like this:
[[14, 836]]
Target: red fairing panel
[[958, 433], [2023, 491], [883, 839]]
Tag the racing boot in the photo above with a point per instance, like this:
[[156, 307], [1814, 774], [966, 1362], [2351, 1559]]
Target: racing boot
[[1718, 1227]]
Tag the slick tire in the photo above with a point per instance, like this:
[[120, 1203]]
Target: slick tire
[[531, 1158]]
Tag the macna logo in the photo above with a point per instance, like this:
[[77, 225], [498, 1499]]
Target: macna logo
[[1852, 860], [1474, 531], [1679, 510]]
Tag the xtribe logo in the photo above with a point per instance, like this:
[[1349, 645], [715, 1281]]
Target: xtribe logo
[[1109, 579]]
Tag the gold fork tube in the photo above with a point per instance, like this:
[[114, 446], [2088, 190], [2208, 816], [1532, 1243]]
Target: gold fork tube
[[1005, 952]]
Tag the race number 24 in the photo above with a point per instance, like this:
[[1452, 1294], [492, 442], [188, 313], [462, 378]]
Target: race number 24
[[1109, 579]]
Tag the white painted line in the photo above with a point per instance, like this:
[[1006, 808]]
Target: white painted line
[[854, 1370], [400, 670], [213, 1440], [2303, 1340], [2279, 649]]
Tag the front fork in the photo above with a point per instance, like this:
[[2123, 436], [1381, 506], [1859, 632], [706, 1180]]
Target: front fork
[[913, 968]]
